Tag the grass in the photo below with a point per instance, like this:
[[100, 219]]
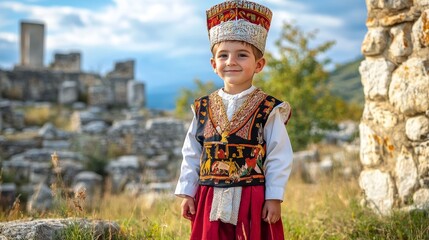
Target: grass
[[329, 209], [39, 115]]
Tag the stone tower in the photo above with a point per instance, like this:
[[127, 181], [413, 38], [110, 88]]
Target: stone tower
[[394, 130], [32, 44]]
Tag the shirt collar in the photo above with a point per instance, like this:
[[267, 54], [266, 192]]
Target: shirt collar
[[228, 96]]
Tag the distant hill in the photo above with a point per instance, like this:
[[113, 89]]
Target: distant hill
[[345, 82]]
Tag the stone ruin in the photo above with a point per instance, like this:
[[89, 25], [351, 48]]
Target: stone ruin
[[63, 81], [66, 62], [394, 130], [148, 163], [44, 229]]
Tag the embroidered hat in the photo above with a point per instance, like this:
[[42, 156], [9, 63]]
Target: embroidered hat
[[239, 20]]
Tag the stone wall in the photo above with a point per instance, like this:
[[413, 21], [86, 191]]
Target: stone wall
[[66, 62], [394, 130], [69, 85]]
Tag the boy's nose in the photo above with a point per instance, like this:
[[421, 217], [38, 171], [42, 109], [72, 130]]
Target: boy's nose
[[230, 61]]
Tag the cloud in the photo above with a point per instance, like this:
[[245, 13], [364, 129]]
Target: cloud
[[149, 25], [8, 38], [165, 28], [285, 4]]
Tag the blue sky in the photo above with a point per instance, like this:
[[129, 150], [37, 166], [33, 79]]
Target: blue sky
[[166, 38]]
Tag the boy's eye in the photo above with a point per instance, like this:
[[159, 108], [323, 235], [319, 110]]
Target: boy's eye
[[242, 55], [222, 55]]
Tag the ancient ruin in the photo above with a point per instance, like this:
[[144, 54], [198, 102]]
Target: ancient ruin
[[112, 141], [32, 44], [394, 130], [63, 81]]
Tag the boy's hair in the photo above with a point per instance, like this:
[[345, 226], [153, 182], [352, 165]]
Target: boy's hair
[[258, 54]]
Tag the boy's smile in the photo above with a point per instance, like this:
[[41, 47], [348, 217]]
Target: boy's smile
[[235, 63]]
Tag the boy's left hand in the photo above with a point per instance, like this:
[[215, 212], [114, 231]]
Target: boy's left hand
[[271, 212]]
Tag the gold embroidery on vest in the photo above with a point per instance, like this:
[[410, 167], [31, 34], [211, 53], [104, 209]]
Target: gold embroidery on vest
[[225, 127]]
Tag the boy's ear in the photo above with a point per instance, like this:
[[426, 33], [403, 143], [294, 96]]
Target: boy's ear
[[260, 65], [213, 63]]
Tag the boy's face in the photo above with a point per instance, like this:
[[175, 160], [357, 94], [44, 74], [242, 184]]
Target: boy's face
[[236, 64]]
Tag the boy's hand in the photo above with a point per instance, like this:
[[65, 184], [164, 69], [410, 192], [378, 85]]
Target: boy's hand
[[271, 212], [188, 207]]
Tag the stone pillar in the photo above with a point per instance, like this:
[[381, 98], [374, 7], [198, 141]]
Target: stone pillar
[[68, 92], [32, 44], [394, 130], [135, 94]]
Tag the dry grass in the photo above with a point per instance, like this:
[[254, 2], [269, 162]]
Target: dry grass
[[39, 115], [327, 210]]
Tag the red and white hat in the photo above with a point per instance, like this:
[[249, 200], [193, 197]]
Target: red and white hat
[[239, 20]]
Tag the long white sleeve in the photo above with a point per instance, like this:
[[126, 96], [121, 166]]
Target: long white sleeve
[[190, 169], [278, 162]]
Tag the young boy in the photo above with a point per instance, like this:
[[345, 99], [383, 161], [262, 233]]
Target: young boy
[[237, 154]]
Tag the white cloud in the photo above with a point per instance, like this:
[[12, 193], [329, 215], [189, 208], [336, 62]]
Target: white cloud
[[285, 4], [127, 25], [8, 37], [170, 28], [307, 20]]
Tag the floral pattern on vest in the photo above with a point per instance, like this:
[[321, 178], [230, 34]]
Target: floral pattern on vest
[[233, 150]]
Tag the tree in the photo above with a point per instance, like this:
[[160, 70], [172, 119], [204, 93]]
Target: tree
[[187, 96], [296, 74]]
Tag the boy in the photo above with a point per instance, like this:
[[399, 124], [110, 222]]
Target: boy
[[237, 154]]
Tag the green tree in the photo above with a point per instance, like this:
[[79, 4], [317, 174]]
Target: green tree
[[187, 96], [296, 73]]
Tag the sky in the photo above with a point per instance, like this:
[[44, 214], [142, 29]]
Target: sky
[[167, 39]]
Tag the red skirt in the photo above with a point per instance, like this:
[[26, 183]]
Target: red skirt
[[250, 225]]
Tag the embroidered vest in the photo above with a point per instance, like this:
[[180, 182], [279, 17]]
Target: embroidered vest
[[233, 151]]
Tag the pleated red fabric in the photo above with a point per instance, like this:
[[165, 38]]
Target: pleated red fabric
[[250, 225]]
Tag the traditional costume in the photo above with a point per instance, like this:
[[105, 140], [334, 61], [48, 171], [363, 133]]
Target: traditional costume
[[237, 152]]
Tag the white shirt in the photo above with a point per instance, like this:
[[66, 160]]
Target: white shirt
[[279, 155]]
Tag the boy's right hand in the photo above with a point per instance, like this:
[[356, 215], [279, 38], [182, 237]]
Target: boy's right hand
[[188, 207]]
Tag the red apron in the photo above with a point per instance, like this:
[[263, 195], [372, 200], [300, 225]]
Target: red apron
[[250, 225]]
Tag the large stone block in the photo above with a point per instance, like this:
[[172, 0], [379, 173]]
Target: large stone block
[[421, 198], [376, 76], [379, 190], [136, 94], [375, 41], [420, 31], [68, 92], [409, 89], [392, 19], [380, 114], [388, 4], [421, 150], [401, 46], [371, 146], [406, 174], [44, 229], [417, 128]]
